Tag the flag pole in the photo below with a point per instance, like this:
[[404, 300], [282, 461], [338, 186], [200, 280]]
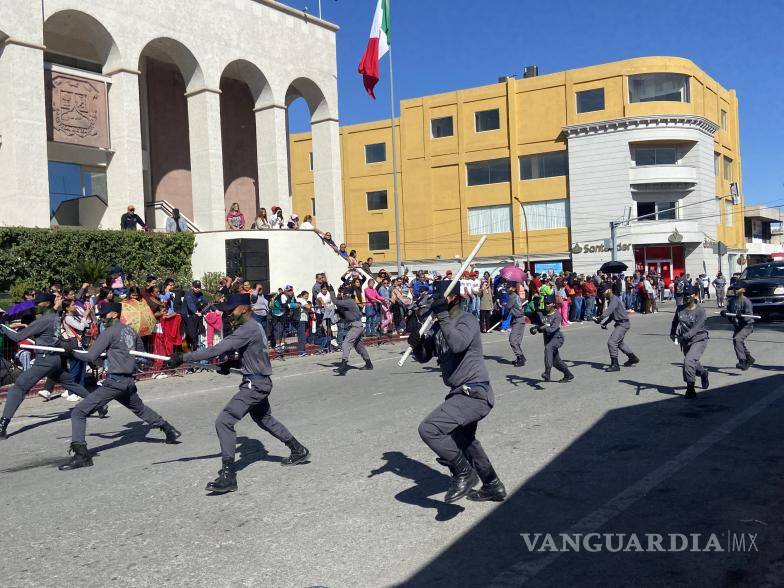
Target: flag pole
[[394, 147]]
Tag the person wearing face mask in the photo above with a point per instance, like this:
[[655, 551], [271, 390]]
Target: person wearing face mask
[[688, 327], [45, 331], [250, 342], [739, 313], [615, 312]]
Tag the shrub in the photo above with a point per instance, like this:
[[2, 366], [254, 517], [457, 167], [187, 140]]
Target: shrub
[[210, 282], [16, 292]]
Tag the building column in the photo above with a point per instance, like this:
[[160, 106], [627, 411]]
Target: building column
[[124, 176], [204, 132], [326, 177], [24, 189], [272, 155]]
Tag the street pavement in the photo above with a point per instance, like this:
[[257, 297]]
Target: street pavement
[[608, 453]]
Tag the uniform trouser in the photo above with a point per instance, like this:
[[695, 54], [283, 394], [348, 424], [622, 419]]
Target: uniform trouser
[[253, 398], [354, 339], [552, 358], [691, 360], [45, 366], [516, 335], [739, 342], [451, 430], [119, 388], [616, 341], [720, 297]]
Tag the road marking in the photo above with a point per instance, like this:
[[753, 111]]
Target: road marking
[[520, 573]]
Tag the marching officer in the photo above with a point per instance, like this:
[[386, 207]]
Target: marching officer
[[120, 385], [514, 306], [349, 311], [553, 340], [615, 311], [450, 430], [688, 327], [740, 314], [250, 341]]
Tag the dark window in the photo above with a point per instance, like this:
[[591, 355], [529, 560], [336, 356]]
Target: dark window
[[590, 100], [655, 211], [442, 127], [377, 200], [665, 210], [375, 153], [659, 87], [487, 120], [544, 165], [655, 156], [493, 171], [646, 211], [313, 206], [310, 157], [378, 240]]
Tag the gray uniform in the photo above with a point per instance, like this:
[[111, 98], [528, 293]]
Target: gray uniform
[[553, 341], [689, 327], [720, 284], [119, 385], [514, 307], [352, 317], [45, 331], [251, 343], [615, 311], [743, 327], [451, 428]]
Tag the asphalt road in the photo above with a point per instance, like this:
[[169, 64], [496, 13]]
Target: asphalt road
[[608, 453]]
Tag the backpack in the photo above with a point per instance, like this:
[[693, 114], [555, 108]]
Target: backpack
[[680, 287]]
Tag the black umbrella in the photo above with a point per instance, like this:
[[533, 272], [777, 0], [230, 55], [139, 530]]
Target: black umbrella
[[613, 267]]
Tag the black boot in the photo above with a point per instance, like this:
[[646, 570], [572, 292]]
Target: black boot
[[690, 392], [463, 481], [704, 380], [750, 361], [172, 434], [520, 361], [546, 375], [492, 489], [299, 453], [742, 365], [368, 365], [227, 479], [102, 412], [614, 367], [342, 368], [3, 426], [80, 459], [446, 464], [632, 360], [567, 377]]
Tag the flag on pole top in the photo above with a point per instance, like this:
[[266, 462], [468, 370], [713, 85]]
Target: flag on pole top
[[377, 47]]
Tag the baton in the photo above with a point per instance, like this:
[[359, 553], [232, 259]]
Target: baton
[[751, 316], [493, 327], [429, 321], [144, 355], [42, 348]]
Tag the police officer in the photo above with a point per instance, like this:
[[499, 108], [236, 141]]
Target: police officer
[[349, 312], [514, 306], [688, 327], [553, 340], [46, 332], [450, 430], [743, 325], [116, 340], [250, 341], [615, 311]]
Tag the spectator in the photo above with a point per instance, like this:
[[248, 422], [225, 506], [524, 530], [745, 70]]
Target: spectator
[[260, 305], [485, 305], [235, 220], [261, 221], [304, 308], [325, 314], [307, 224], [293, 223], [577, 301], [326, 238], [193, 303], [367, 265], [353, 262], [589, 299], [130, 219], [277, 221], [372, 308], [175, 223], [342, 251]]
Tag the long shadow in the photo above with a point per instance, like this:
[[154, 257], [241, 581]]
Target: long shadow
[[516, 380], [672, 465], [63, 416], [500, 359], [427, 482], [644, 386], [597, 365], [134, 432], [250, 451]]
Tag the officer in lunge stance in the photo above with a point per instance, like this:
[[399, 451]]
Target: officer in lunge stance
[[615, 311], [688, 327], [450, 430], [743, 326], [553, 340], [45, 330], [348, 310], [514, 306], [120, 385], [249, 340]]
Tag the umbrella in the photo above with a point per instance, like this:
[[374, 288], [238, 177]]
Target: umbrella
[[512, 273], [19, 308], [613, 267], [137, 315]]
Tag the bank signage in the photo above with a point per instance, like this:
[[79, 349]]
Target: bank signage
[[577, 249]]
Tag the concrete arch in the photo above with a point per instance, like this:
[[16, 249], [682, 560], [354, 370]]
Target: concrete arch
[[306, 88], [245, 71], [77, 34], [170, 50]]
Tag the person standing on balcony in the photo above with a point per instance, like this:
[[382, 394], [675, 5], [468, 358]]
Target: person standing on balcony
[[262, 222], [130, 219], [235, 220], [175, 223]]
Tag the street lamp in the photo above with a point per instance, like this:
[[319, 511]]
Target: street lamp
[[525, 223]]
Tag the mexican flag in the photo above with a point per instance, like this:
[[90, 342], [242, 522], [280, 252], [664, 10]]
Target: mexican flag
[[377, 47]]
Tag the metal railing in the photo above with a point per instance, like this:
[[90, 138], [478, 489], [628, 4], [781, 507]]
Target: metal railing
[[166, 207]]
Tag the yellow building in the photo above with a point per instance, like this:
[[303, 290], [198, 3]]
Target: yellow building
[[653, 137]]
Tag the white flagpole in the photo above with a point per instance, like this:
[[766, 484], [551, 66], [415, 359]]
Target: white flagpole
[[394, 146]]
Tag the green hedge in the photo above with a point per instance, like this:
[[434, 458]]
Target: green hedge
[[38, 256]]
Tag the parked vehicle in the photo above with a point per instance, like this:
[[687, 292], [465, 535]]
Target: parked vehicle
[[764, 287]]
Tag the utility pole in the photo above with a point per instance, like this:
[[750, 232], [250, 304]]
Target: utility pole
[[613, 240], [527, 249]]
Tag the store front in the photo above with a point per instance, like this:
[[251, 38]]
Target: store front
[[666, 260]]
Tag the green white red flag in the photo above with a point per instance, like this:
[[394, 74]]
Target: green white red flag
[[377, 47]]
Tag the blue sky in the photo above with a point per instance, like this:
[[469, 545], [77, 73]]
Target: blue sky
[[442, 45]]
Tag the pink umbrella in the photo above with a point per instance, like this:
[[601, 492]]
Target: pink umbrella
[[512, 273]]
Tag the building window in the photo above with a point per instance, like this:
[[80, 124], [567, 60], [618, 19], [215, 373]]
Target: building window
[[727, 169], [441, 127], [377, 200], [655, 156], [544, 165], [483, 220], [659, 87], [487, 120], [729, 211], [375, 153], [649, 211], [378, 240], [717, 164], [724, 123], [590, 100], [548, 214], [310, 158], [313, 206], [492, 171]]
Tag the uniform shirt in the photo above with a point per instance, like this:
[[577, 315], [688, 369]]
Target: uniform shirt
[[514, 305], [44, 330], [691, 323], [615, 311], [116, 341], [348, 310], [719, 284], [738, 306], [249, 341], [551, 326]]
